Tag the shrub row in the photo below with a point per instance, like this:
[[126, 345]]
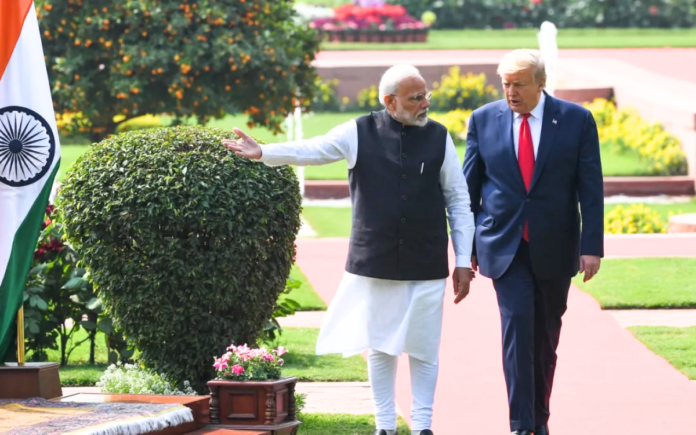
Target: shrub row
[[499, 14]]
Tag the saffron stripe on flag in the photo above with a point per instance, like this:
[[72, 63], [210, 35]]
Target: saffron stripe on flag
[[12, 16]]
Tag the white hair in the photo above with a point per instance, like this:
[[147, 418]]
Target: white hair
[[518, 60], [393, 76]]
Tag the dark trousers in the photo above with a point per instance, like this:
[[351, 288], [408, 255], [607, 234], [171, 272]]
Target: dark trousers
[[530, 311]]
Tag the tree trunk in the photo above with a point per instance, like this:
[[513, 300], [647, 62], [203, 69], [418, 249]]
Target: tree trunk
[[63, 346], [92, 317]]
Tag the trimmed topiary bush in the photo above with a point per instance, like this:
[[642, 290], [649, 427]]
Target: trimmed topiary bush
[[188, 244]]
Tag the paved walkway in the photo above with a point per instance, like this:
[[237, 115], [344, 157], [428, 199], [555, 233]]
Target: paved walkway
[[607, 381], [677, 63]]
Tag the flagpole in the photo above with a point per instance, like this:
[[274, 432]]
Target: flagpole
[[20, 336]]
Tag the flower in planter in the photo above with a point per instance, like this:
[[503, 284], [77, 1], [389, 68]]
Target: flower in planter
[[242, 363]]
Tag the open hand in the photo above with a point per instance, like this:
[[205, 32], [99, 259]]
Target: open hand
[[244, 146], [589, 264], [461, 277]]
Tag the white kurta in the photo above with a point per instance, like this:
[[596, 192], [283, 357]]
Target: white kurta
[[384, 315]]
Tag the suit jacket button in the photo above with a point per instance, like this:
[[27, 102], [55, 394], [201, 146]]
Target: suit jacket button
[[404, 176], [404, 197], [403, 220], [403, 155], [401, 241], [529, 200], [521, 227]]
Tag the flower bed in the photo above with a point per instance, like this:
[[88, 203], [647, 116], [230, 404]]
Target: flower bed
[[387, 23]]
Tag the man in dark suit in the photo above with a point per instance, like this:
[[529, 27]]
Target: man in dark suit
[[531, 159]]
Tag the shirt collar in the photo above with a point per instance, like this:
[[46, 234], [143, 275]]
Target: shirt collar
[[538, 111]]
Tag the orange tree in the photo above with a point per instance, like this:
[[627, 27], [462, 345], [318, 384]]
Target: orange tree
[[112, 60]]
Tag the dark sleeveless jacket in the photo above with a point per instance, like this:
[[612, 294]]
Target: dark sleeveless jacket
[[399, 221]]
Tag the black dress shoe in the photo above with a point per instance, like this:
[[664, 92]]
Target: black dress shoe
[[426, 432], [542, 430], [522, 432], [383, 432]]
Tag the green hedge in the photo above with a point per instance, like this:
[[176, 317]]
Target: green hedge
[[499, 14], [188, 245]]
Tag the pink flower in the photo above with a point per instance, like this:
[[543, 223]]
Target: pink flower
[[268, 357], [237, 369], [232, 347], [281, 351], [220, 364], [281, 362]]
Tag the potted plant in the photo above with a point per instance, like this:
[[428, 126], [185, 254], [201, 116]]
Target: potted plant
[[249, 393]]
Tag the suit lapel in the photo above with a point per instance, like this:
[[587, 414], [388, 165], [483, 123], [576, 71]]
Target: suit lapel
[[508, 143], [549, 126]]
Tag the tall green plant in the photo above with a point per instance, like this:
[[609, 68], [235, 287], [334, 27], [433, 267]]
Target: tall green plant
[[188, 245]]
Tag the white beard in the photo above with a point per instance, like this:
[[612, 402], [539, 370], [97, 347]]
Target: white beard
[[408, 119]]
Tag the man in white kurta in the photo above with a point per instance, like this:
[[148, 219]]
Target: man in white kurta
[[405, 177]]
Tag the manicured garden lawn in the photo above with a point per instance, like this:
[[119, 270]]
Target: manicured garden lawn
[[336, 221], [329, 221], [676, 345], [342, 424], [83, 375], [643, 283], [305, 294], [321, 123], [524, 38], [302, 361]]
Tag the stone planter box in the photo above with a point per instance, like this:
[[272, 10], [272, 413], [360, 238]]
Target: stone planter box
[[255, 405], [376, 36]]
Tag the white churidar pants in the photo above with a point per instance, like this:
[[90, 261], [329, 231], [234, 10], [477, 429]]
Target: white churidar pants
[[388, 318]]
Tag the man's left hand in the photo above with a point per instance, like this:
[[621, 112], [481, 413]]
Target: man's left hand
[[461, 278], [589, 264]]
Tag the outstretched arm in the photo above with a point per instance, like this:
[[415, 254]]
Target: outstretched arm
[[339, 143]]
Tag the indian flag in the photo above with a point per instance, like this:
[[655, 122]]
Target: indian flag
[[29, 154]]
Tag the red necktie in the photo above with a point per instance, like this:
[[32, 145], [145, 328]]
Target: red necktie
[[525, 158]]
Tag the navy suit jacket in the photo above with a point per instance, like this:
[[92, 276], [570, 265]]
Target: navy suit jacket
[[567, 174]]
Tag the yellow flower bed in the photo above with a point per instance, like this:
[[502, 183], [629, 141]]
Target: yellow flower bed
[[456, 121], [455, 91], [70, 123], [625, 131], [368, 99], [633, 220]]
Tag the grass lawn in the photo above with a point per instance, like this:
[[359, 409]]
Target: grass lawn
[[676, 345], [302, 361], [643, 283], [305, 294], [329, 221], [83, 375], [342, 424], [524, 38], [79, 373], [321, 123]]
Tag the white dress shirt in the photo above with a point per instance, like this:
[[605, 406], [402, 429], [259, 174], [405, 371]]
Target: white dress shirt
[[535, 121], [342, 143]]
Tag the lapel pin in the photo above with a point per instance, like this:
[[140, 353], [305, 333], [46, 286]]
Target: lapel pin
[[554, 121]]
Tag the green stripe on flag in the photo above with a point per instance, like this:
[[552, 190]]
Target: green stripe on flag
[[23, 246]]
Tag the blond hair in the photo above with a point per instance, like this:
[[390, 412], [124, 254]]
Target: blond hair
[[522, 59]]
